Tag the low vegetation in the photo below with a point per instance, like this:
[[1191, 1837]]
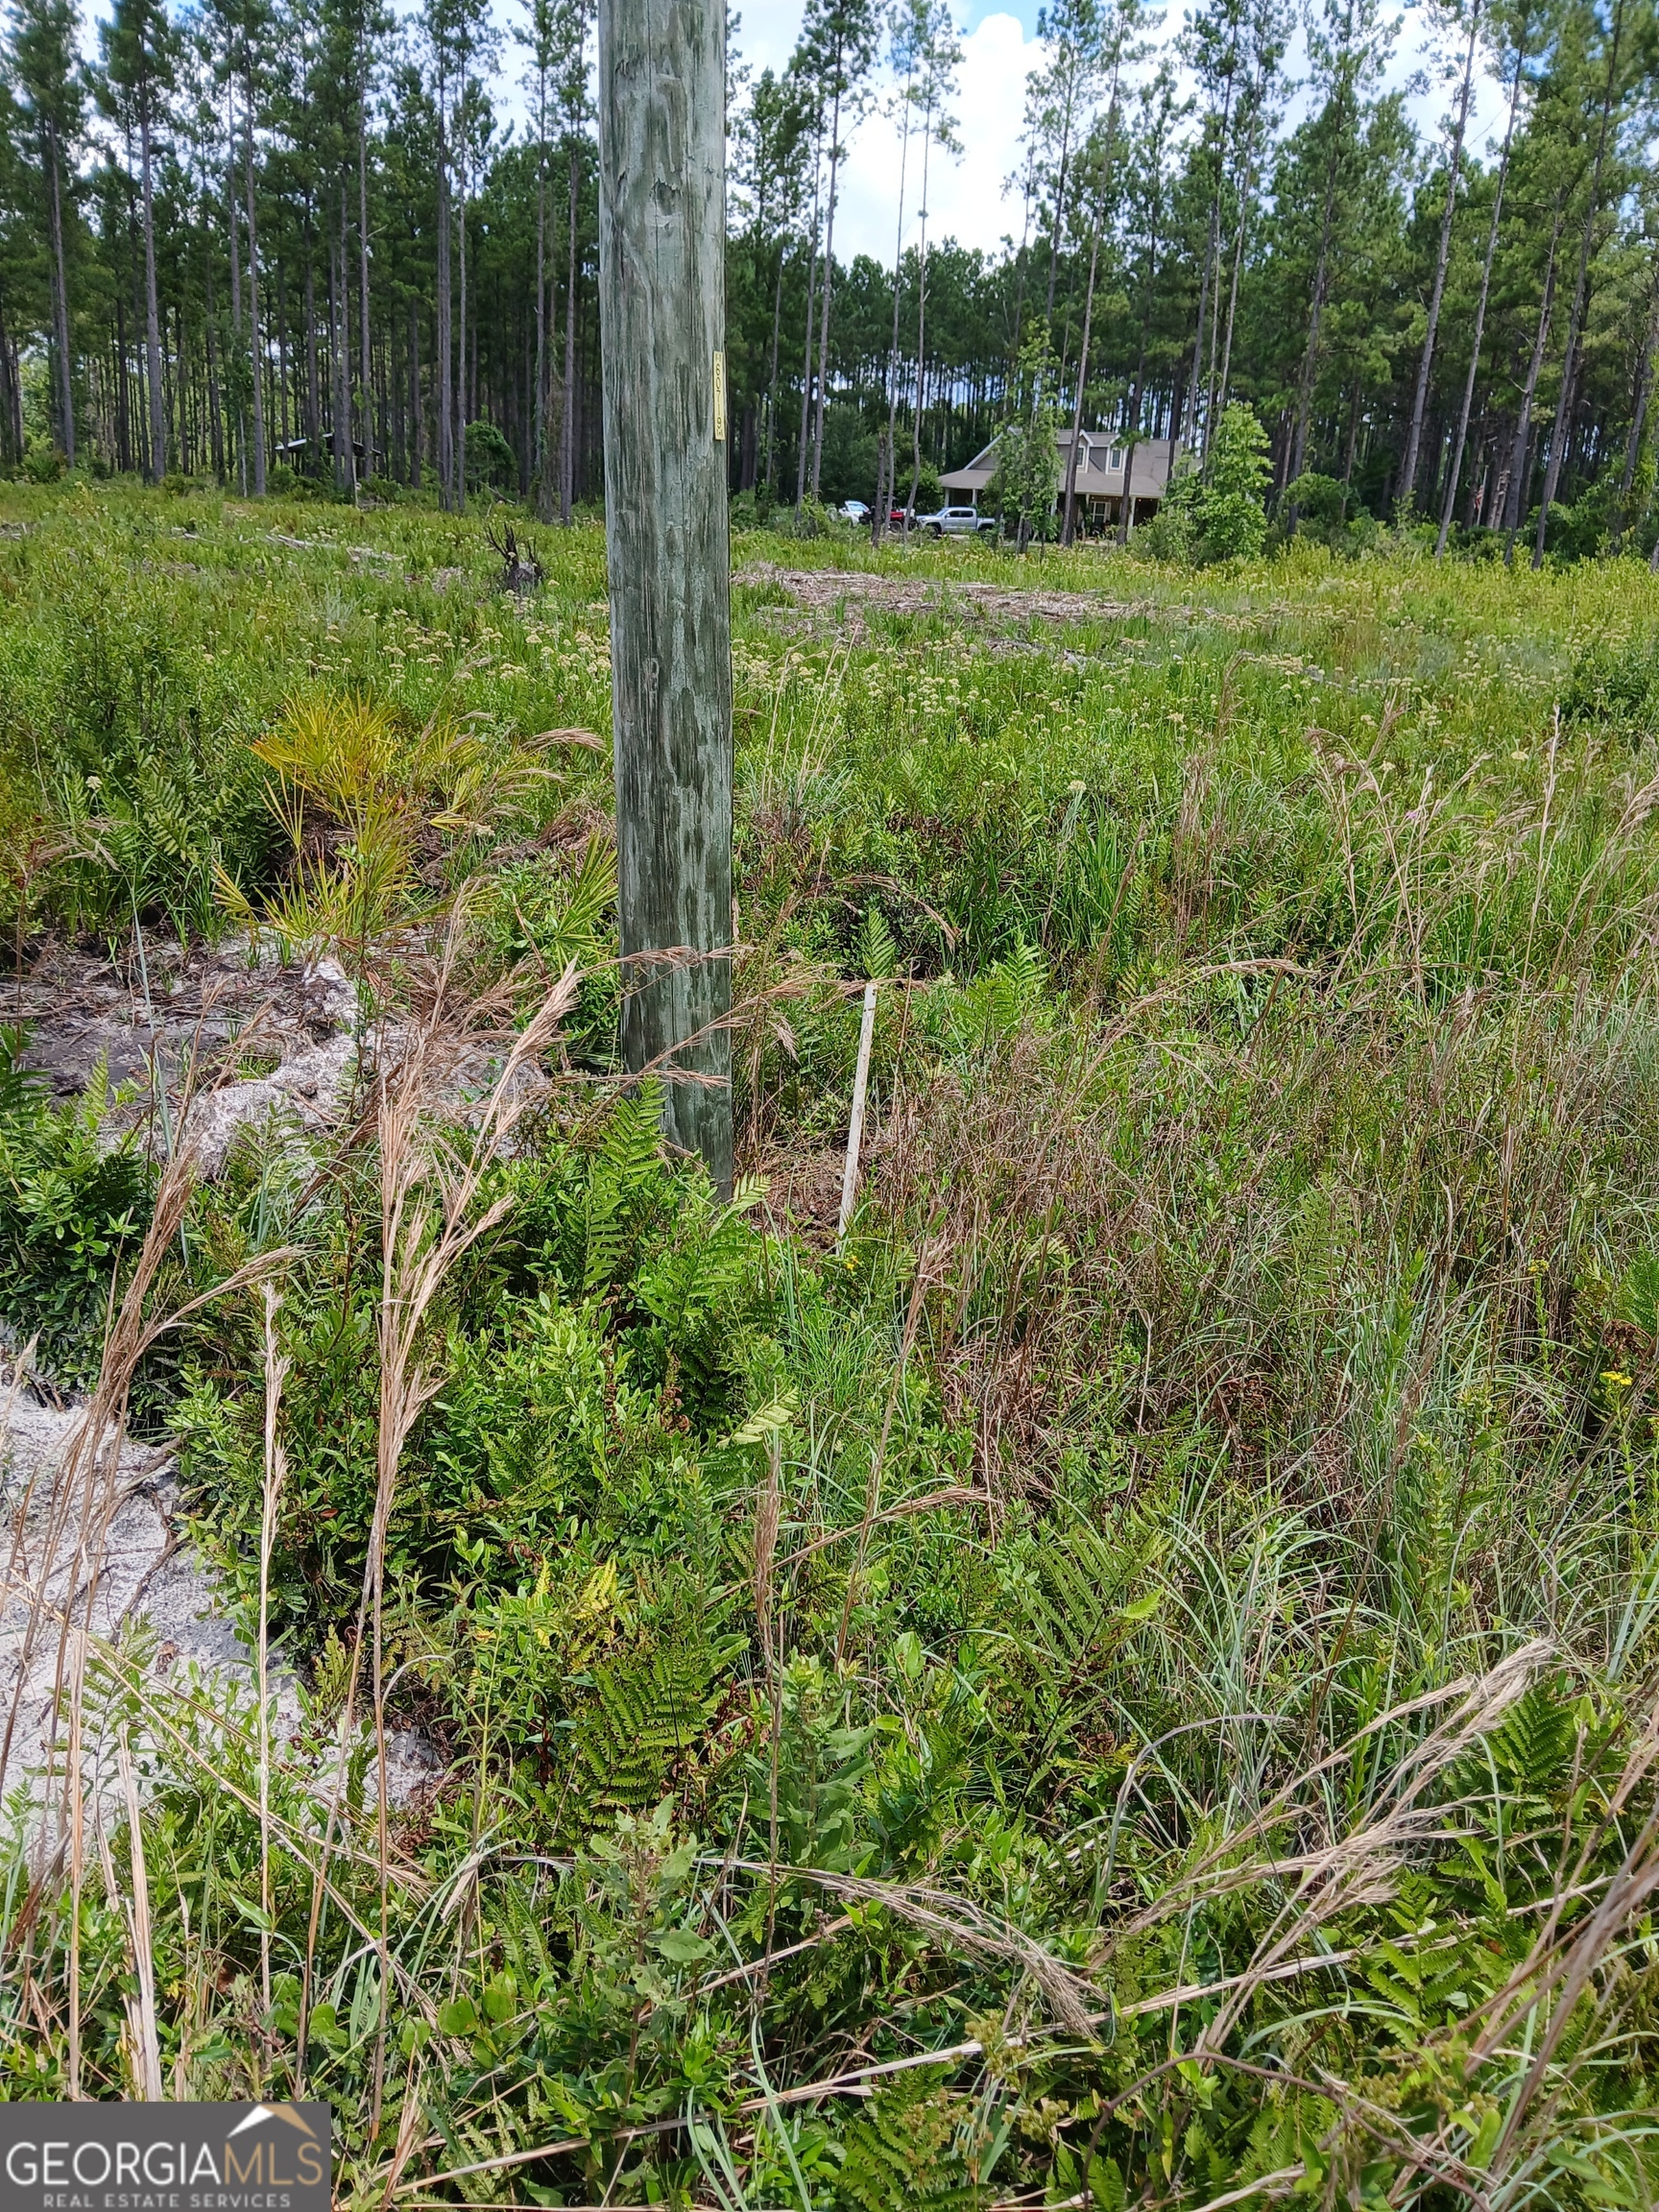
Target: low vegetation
[[1129, 1679]]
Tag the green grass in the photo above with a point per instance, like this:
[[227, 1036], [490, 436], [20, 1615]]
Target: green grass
[[1172, 1607]]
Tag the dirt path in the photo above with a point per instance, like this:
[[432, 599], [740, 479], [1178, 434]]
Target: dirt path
[[205, 1017], [842, 597]]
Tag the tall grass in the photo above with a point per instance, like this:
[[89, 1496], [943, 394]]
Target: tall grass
[[1132, 1679]]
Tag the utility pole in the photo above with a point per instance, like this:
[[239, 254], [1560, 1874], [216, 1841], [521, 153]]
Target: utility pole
[[662, 314]]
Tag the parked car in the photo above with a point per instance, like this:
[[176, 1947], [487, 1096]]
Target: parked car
[[960, 522], [854, 511]]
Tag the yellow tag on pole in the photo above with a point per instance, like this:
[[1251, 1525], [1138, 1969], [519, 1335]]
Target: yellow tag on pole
[[719, 397]]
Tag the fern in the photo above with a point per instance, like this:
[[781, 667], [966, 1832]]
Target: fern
[[694, 1292], [1106, 2189], [647, 1710], [695, 1278], [876, 955], [902, 2151], [1009, 994], [1072, 1602], [1532, 1748], [624, 1164], [22, 1090]]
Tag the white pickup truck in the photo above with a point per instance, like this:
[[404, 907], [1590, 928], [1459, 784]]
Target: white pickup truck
[[959, 522]]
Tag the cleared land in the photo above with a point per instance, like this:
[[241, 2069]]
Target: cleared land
[[1134, 1677]]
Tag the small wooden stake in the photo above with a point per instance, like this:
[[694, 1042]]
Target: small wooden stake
[[663, 316], [855, 1128]]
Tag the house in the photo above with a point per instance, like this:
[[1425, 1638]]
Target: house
[[1102, 456]]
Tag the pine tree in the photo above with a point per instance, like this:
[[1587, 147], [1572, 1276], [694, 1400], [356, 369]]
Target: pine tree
[[44, 58], [836, 53], [140, 53], [1453, 177], [938, 56]]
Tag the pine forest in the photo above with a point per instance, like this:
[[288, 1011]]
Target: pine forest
[[266, 244]]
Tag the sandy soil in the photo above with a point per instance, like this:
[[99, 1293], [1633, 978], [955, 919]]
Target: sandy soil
[[839, 599]]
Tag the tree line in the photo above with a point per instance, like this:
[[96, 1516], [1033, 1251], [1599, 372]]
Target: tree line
[[280, 241]]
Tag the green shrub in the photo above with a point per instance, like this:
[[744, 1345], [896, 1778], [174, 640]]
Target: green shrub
[[1229, 514], [491, 464], [752, 510], [1168, 536], [811, 518], [1614, 680], [43, 463], [596, 1344], [1023, 490], [72, 1208]]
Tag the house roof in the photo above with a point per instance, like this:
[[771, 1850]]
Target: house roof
[[1096, 476]]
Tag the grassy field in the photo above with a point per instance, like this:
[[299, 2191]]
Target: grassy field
[[1130, 1682]]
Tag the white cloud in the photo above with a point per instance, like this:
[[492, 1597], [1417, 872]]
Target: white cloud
[[965, 193]]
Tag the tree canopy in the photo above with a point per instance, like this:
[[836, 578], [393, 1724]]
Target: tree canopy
[[297, 236]]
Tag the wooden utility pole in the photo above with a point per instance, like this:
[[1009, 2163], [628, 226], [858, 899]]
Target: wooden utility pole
[[662, 315]]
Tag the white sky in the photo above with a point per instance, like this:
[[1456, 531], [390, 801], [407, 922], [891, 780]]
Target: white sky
[[965, 198]]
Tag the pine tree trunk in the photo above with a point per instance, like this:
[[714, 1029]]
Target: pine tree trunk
[[15, 377], [539, 413], [415, 415], [823, 291], [1060, 182], [567, 407], [215, 414], [7, 451], [1137, 403], [1520, 458], [884, 463], [772, 379], [60, 297], [1425, 365], [921, 327], [340, 331], [1311, 358], [1246, 193], [1205, 290], [1468, 401], [461, 314], [284, 425], [1639, 407], [313, 394], [152, 308], [1575, 317], [364, 324], [255, 350], [1068, 528], [123, 415], [234, 229], [445, 336], [806, 366]]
